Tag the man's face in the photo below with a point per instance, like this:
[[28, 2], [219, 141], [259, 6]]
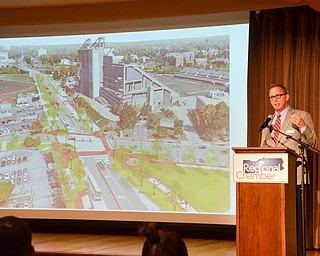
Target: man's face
[[278, 99]]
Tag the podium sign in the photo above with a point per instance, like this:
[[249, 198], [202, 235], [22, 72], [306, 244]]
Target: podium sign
[[260, 168], [266, 201]]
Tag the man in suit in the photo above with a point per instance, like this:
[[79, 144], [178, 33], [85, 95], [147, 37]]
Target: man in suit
[[291, 123], [297, 124]]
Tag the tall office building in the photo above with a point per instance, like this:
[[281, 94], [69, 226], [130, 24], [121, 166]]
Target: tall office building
[[91, 57]]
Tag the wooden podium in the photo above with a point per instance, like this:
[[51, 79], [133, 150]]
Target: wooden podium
[[266, 212]]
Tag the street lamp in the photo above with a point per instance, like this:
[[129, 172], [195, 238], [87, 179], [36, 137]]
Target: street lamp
[[114, 149], [177, 159], [154, 185]]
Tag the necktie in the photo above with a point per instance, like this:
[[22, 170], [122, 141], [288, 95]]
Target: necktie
[[277, 127]]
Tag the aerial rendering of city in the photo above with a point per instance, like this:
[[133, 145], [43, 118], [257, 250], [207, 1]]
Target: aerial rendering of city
[[122, 126]]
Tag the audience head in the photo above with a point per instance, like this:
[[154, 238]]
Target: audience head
[[15, 237], [161, 242]]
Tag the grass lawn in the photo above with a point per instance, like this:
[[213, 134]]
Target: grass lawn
[[207, 190]]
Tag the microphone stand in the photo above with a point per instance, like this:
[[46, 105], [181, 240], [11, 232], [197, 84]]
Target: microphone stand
[[302, 147]]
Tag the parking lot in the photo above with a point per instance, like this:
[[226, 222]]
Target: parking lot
[[30, 180]]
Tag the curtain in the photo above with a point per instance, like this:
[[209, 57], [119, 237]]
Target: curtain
[[284, 47]]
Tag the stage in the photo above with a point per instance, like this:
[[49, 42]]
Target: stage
[[86, 244], [47, 244]]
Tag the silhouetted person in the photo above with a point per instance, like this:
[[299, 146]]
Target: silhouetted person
[[15, 237], [161, 242]]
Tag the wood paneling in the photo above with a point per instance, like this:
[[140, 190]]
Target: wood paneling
[[266, 217]]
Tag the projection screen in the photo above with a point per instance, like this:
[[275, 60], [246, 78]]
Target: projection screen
[[128, 125]]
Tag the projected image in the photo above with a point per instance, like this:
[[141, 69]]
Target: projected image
[[116, 122]]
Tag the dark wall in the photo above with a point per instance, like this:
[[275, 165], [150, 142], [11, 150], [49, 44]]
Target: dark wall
[[212, 231]]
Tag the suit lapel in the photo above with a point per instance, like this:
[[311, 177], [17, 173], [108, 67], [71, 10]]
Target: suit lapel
[[286, 122]]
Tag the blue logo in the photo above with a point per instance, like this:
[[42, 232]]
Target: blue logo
[[263, 165]]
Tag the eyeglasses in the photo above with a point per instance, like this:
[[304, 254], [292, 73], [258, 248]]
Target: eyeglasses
[[277, 96]]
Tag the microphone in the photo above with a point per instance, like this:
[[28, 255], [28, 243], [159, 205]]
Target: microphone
[[271, 128], [265, 123]]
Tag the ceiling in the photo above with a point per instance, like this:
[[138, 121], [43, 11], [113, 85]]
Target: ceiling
[[51, 17], [221, 6], [41, 3]]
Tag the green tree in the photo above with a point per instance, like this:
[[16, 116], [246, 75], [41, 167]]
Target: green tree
[[56, 75], [43, 58], [128, 117], [166, 154], [175, 194], [122, 155], [55, 59], [145, 110], [27, 59], [68, 195], [167, 112], [162, 131], [73, 70], [177, 128], [36, 126], [6, 190], [211, 120], [81, 102], [189, 155], [156, 146], [153, 122], [212, 158], [116, 110], [64, 71], [29, 142], [37, 142], [78, 174], [143, 167]]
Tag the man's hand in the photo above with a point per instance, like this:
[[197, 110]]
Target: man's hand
[[297, 120]]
